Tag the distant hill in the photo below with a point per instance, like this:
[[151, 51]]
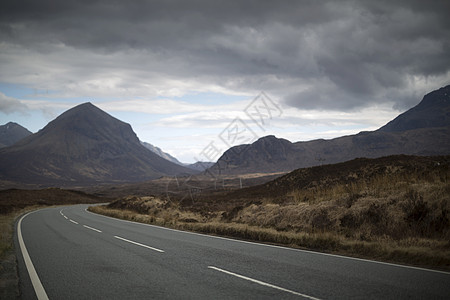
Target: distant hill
[[422, 130], [345, 173], [11, 132], [84, 145], [161, 153]]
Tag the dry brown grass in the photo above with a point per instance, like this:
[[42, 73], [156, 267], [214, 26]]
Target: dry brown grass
[[6, 233], [376, 228], [8, 272]]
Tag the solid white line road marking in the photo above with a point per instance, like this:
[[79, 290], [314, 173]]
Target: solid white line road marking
[[66, 217], [273, 246], [263, 283], [139, 244], [91, 228], [37, 285], [74, 222]]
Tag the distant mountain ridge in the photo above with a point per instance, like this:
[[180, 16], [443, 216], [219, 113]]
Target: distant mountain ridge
[[161, 153], [199, 166], [422, 130], [84, 145], [11, 133]]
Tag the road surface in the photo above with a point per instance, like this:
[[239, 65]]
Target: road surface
[[76, 254]]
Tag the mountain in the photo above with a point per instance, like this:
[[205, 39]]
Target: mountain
[[422, 130], [432, 112], [161, 153], [84, 145], [11, 133]]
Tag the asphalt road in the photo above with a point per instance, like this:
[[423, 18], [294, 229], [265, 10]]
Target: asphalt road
[[80, 255]]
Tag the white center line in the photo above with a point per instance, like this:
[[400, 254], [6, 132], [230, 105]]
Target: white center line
[[74, 222], [263, 283], [91, 228], [139, 244]]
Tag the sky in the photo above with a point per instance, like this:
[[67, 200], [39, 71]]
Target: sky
[[196, 77]]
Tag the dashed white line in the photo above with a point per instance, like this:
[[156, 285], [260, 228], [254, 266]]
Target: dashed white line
[[139, 244], [74, 222], [62, 214], [91, 228], [263, 283]]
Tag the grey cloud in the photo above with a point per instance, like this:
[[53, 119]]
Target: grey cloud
[[11, 105], [309, 54]]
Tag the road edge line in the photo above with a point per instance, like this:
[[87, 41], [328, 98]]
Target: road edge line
[[37, 285], [278, 247]]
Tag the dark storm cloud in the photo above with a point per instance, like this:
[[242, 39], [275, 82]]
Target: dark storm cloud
[[310, 54]]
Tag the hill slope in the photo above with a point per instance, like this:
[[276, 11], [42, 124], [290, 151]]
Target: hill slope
[[345, 173], [422, 130], [84, 145], [432, 112]]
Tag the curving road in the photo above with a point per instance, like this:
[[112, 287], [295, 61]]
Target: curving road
[[80, 255]]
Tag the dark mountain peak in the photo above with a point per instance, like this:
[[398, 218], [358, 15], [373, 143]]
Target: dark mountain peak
[[83, 145], [268, 139], [11, 132], [89, 121], [86, 110], [432, 112], [87, 104], [271, 146], [11, 125], [266, 153]]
